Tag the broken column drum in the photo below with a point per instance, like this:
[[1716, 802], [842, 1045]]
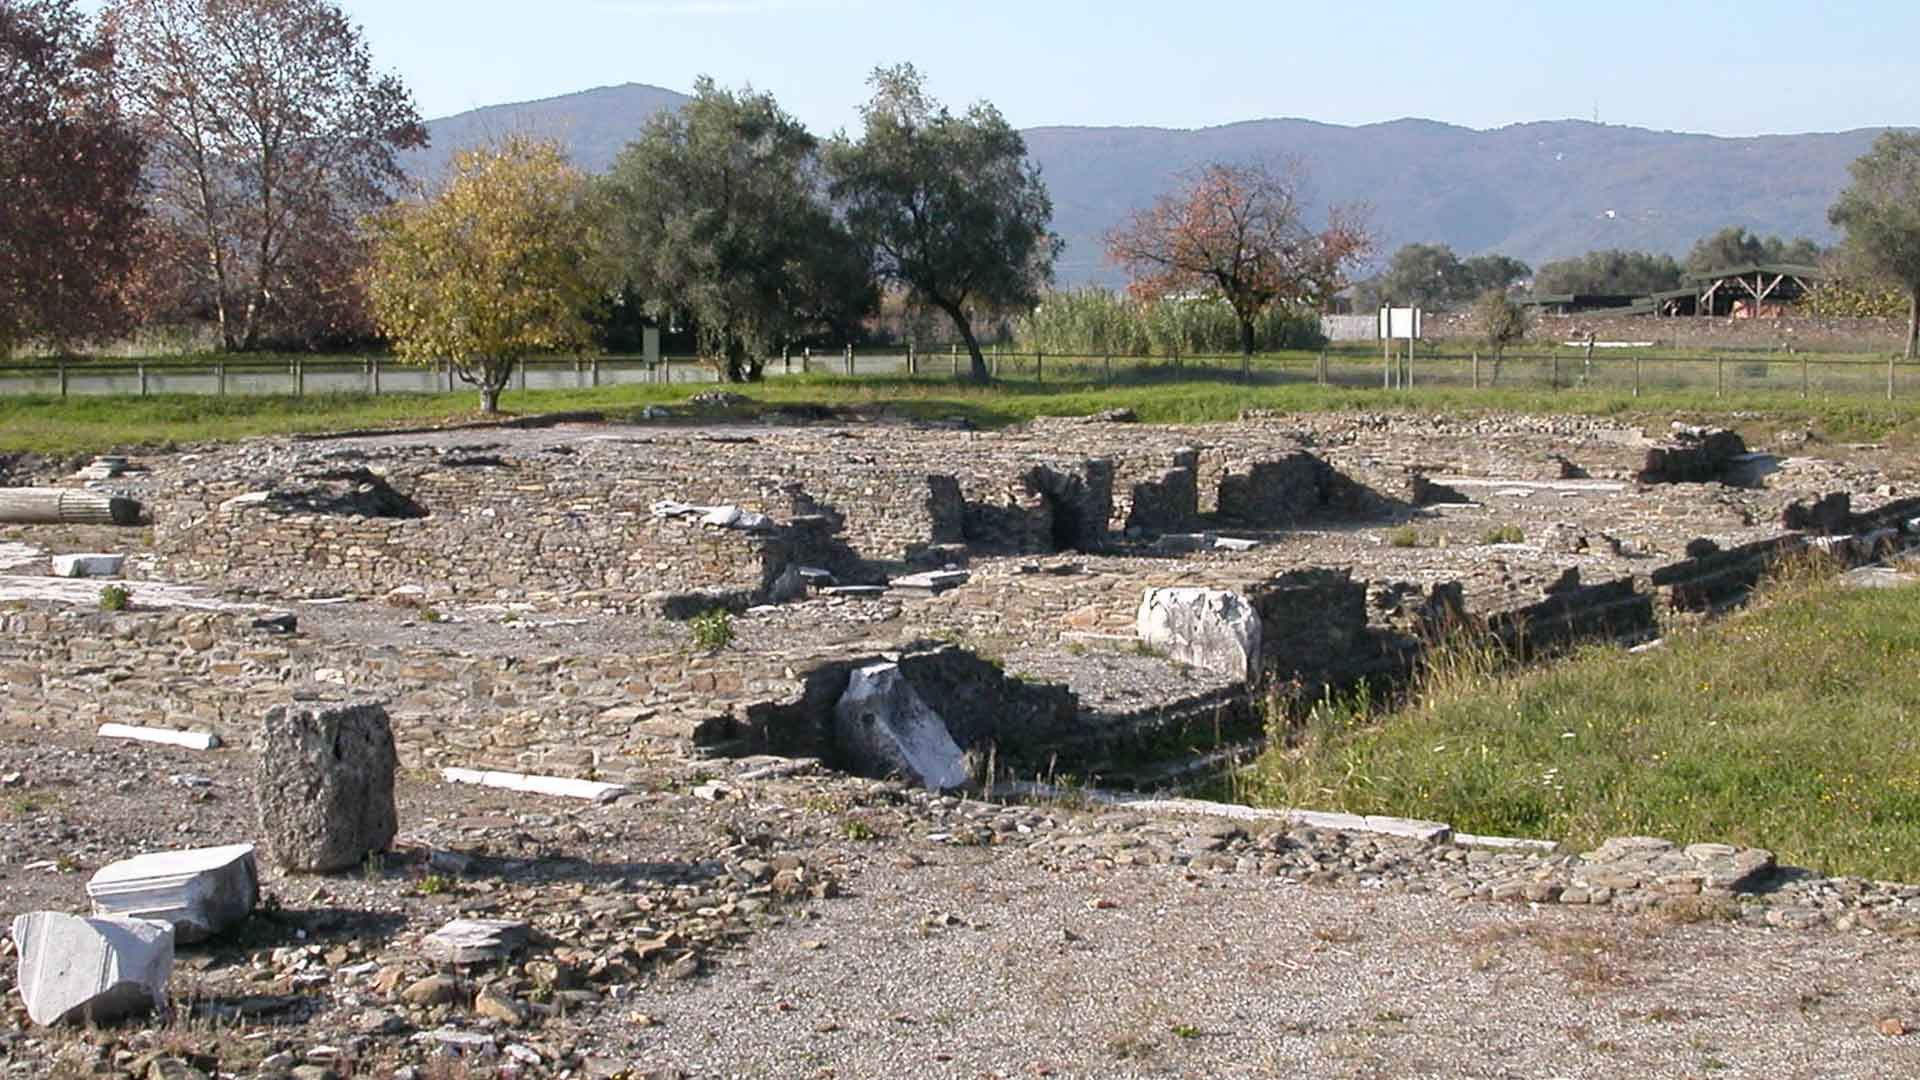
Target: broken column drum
[[65, 506], [325, 786]]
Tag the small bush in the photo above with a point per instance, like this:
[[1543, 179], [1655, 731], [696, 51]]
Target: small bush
[[115, 598], [1503, 534], [712, 630], [1406, 536]]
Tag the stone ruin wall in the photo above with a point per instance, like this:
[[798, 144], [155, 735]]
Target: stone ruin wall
[[591, 714], [588, 536]]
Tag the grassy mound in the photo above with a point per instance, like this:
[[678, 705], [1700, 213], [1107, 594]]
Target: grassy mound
[[1790, 727]]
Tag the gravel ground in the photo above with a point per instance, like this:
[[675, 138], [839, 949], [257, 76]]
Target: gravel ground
[[934, 937]]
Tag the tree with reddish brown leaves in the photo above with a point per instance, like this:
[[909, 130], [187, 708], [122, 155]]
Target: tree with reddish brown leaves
[[1238, 232], [272, 136], [70, 207]]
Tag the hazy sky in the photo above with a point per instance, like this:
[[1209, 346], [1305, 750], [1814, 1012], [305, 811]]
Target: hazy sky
[[1734, 68]]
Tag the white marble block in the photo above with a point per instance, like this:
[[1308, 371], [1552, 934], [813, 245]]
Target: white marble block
[[200, 892], [98, 970]]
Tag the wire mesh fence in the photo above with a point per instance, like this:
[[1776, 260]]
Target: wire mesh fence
[[1617, 372]]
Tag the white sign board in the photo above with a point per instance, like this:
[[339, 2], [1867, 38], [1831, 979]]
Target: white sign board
[[1400, 323]]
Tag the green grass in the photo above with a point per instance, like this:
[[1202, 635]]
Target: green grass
[[1789, 727], [1191, 393]]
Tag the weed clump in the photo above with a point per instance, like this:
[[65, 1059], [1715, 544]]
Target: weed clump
[[712, 630]]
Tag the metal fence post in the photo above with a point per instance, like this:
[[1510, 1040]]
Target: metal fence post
[[1636, 376], [1476, 369], [374, 363], [1803, 377], [63, 376], [849, 358], [299, 377], [1719, 376], [143, 379], [1889, 376], [954, 352], [913, 361], [594, 369], [1039, 366]]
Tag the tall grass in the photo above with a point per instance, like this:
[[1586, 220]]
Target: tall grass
[[1097, 322], [1790, 727]]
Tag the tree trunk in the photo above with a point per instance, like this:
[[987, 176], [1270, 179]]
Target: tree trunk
[[978, 373], [733, 364], [1913, 319], [491, 376], [1246, 337]]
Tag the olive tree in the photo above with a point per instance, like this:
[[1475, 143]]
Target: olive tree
[[1880, 212], [952, 209], [1501, 322], [718, 211], [500, 265]]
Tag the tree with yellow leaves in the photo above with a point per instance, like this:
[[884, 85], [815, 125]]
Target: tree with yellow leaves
[[499, 266]]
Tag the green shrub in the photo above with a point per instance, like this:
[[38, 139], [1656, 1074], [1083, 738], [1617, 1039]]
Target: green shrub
[[1503, 534], [1406, 536], [115, 598], [712, 630]]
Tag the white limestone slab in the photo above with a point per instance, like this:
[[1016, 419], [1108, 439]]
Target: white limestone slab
[[537, 785], [199, 892], [1595, 486], [88, 566], [1411, 828], [1506, 843], [95, 970], [192, 740], [83, 593], [13, 556]]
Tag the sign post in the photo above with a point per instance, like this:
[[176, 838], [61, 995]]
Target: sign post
[[1398, 324]]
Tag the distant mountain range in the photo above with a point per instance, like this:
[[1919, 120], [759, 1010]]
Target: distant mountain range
[[1535, 191]]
